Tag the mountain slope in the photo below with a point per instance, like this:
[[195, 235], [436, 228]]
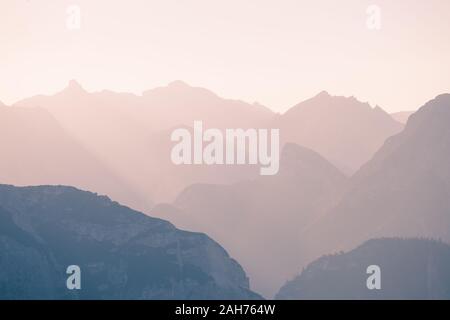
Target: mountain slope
[[403, 191], [123, 254], [181, 104], [343, 130], [409, 269], [260, 221], [131, 133], [36, 150]]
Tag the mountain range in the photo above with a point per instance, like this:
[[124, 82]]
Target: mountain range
[[267, 214], [348, 173], [130, 133], [344, 130], [37, 150], [403, 191]]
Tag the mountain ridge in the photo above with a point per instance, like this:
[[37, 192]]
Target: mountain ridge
[[344, 130], [305, 185], [409, 269], [402, 191]]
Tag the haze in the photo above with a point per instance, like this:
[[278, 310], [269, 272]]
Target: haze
[[273, 52]]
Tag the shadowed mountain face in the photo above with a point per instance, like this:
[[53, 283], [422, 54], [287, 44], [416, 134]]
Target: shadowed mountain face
[[403, 191], [131, 133], [36, 150], [123, 254], [410, 269], [343, 130], [260, 221], [402, 116]]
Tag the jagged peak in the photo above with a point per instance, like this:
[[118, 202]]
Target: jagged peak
[[323, 94], [74, 87], [329, 101], [380, 110], [326, 95]]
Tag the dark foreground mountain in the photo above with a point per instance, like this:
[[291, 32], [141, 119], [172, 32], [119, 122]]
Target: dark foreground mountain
[[410, 269], [123, 254]]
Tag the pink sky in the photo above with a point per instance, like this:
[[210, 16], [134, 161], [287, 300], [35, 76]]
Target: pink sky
[[274, 52]]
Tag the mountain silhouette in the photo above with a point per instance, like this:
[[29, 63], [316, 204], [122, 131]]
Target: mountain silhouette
[[181, 104], [409, 269], [131, 133], [259, 221], [36, 150], [123, 254], [118, 144], [344, 130], [403, 191]]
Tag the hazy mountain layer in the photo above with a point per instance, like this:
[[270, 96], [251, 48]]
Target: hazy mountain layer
[[343, 130], [36, 150], [131, 133], [403, 191], [260, 221]]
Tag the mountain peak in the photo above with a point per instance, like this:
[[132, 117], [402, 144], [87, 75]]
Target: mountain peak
[[178, 84], [323, 94], [74, 87], [178, 89], [379, 110], [436, 111]]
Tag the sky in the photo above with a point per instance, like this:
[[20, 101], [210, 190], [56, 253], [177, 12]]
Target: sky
[[275, 52]]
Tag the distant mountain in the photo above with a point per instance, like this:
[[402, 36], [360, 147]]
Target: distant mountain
[[402, 116], [181, 104], [131, 133], [343, 130], [260, 220], [409, 269], [36, 150], [403, 191], [123, 254]]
